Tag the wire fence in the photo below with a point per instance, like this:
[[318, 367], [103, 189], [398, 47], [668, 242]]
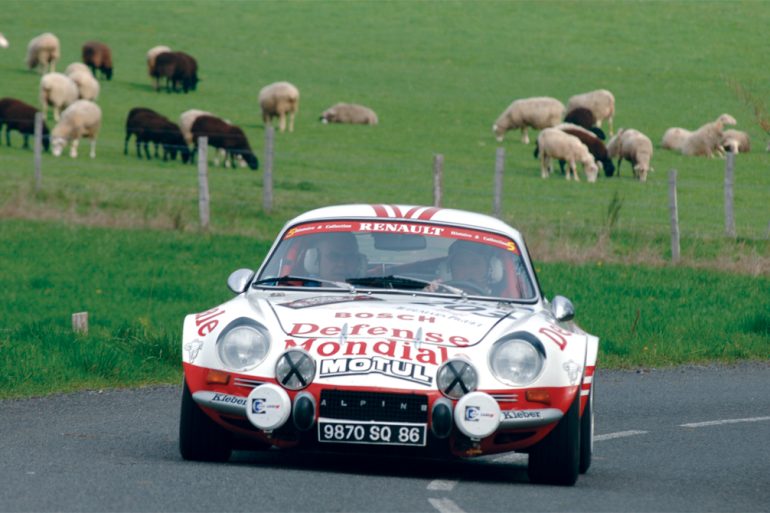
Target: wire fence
[[734, 209]]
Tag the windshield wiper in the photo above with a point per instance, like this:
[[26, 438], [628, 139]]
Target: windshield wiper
[[392, 281], [305, 280]]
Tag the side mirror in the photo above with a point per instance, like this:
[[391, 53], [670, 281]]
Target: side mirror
[[562, 309], [239, 280]]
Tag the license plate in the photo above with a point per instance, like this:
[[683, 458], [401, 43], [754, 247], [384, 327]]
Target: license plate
[[381, 433]]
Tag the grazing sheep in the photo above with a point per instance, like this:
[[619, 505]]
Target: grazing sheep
[[584, 118], [186, 120], [538, 112], [42, 53], [600, 102], [179, 69], [88, 86], [556, 144], [98, 56], [152, 54], [736, 141], [635, 147], [705, 141], [592, 142], [674, 138], [77, 67], [349, 113], [222, 134], [17, 115], [150, 127], [81, 119], [278, 100], [3, 41], [57, 90]]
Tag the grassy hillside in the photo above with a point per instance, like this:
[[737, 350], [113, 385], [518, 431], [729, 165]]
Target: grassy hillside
[[438, 74]]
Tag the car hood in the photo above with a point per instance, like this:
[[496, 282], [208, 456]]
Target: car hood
[[434, 321]]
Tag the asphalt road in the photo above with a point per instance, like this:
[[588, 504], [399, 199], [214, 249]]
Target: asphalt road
[[683, 439]]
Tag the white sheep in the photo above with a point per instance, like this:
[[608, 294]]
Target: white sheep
[[736, 141], [601, 102], [674, 138], [278, 100], [349, 113], [538, 112], [42, 53], [635, 147], [81, 119], [555, 144], [152, 54], [88, 86], [3, 41], [57, 90], [706, 140], [76, 67]]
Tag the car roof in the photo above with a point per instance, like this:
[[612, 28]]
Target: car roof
[[408, 213]]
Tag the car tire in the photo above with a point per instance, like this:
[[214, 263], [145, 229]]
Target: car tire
[[200, 438], [587, 433], [555, 459]]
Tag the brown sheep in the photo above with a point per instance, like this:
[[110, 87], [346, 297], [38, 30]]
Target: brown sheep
[[98, 56], [179, 69], [222, 134], [17, 115]]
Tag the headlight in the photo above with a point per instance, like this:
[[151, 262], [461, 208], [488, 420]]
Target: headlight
[[243, 344], [456, 377], [518, 359], [295, 369]]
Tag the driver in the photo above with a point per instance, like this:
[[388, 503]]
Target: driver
[[469, 262]]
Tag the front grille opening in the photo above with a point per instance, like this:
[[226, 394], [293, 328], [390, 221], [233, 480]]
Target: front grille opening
[[373, 406]]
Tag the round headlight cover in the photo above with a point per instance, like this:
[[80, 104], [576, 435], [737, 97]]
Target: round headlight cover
[[518, 359], [243, 344], [456, 377], [295, 369]]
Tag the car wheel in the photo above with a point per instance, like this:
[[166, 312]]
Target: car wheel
[[556, 458], [200, 438], [587, 433]]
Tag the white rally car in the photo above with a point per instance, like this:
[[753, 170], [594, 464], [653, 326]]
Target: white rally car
[[362, 329]]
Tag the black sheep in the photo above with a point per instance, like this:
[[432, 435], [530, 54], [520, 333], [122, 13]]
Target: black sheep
[[150, 127], [179, 69], [581, 116], [17, 115], [225, 136]]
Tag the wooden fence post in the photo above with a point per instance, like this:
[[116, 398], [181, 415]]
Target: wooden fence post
[[38, 150], [674, 210], [80, 322], [203, 181], [438, 178], [729, 182], [267, 175], [498, 193]]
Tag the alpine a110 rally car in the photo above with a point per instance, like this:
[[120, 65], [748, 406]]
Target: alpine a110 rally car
[[410, 328]]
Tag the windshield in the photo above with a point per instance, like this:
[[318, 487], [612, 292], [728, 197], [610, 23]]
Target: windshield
[[399, 255]]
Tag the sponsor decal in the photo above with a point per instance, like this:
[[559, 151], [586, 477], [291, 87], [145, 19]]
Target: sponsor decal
[[417, 229], [397, 349], [472, 413], [556, 334], [389, 333], [521, 414], [229, 399], [573, 371], [193, 349], [407, 371], [325, 300], [385, 315], [260, 406], [207, 321]]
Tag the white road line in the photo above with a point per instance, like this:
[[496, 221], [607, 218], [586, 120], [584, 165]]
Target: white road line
[[442, 485], [726, 421], [619, 434], [445, 506]]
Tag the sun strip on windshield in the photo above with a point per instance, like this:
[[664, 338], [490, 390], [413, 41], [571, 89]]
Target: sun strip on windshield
[[430, 230]]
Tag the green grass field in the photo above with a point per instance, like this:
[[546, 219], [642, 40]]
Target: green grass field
[[438, 74]]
